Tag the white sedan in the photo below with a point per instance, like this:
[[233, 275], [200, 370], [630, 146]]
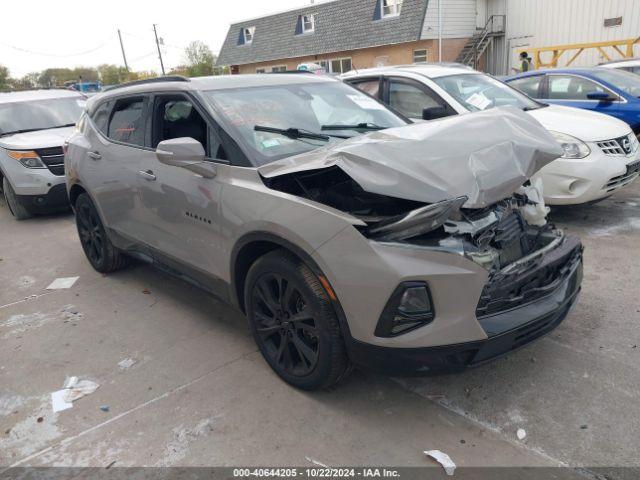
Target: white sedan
[[630, 65], [602, 154]]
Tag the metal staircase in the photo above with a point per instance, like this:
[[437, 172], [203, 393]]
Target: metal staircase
[[478, 44]]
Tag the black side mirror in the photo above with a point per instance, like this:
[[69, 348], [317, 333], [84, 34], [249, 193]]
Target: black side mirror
[[600, 96], [432, 113]]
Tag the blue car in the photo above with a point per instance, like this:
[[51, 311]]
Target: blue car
[[614, 92]]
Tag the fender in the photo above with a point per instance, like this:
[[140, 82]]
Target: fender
[[261, 236]]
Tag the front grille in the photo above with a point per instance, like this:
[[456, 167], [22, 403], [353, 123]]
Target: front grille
[[53, 158], [633, 170], [619, 146], [507, 291]]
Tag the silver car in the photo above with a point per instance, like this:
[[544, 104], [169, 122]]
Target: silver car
[[346, 234], [33, 127]]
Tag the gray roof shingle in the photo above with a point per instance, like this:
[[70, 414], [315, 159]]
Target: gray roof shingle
[[340, 25]]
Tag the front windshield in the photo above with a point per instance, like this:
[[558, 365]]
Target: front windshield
[[628, 82], [39, 114], [306, 107], [480, 92]]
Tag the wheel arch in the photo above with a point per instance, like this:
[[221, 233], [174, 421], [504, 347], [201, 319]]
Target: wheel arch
[[254, 245], [74, 192]]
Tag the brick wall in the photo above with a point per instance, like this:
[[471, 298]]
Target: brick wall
[[399, 54]]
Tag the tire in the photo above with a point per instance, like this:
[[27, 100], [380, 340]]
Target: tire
[[293, 322], [15, 207], [100, 252]]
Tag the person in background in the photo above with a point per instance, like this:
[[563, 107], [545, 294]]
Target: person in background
[[525, 63]]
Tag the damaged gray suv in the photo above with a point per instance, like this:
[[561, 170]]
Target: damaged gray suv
[[345, 234]]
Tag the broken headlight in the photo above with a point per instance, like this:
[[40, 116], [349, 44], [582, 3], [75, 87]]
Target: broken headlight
[[417, 222], [409, 307], [572, 146]]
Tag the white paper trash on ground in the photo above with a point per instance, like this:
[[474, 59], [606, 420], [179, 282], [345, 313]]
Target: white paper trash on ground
[[72, 390], [62, 283], [521, 434], [75, 389], [443, 459], [58, 402]]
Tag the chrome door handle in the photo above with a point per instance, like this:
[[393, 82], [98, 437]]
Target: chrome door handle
[[94, 155], [147, 175]]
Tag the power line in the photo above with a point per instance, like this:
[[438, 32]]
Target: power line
[[57, 55]]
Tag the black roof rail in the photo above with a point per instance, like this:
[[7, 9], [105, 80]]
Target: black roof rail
[[167, 78], [290, 72]]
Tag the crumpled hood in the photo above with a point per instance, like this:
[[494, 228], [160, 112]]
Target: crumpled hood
[[485, 156], [54, 137]]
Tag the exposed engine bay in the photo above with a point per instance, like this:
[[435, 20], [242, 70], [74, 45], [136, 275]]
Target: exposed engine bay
[[494, 236]]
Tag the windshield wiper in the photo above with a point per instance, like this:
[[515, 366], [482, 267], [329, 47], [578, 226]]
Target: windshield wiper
[[357, 126], [28, 130], [294, 133]]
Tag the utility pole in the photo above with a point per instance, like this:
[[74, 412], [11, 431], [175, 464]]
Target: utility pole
[[159, 51], [439, 31], [124, 57]]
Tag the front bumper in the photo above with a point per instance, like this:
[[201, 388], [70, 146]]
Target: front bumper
[[55, 199], [575, 181], [507, 329]]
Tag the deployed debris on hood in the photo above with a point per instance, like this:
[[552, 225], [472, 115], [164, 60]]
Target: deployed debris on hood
[[485, 157]]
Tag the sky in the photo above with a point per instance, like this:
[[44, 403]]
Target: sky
[[40, 34]]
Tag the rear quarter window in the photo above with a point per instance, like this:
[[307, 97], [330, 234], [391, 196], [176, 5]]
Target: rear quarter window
[[100, 116]]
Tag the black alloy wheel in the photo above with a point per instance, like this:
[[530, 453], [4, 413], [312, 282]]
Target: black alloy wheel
[[285, 324], [294, 322], [102, 255]]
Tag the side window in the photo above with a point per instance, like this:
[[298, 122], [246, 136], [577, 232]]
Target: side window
[[529, 85], [411, 100], [567, 87], [100, 116], [127, 123], [371, 86], [177, 117]]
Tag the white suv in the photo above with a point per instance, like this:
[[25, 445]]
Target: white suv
[[33, 128], [601, 153]]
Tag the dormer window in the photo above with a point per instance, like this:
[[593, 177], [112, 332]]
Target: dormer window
[[308, 23], [391, 8], [248, 35]]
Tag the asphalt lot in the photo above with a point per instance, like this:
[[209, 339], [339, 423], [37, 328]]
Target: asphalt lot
[[196, 392]]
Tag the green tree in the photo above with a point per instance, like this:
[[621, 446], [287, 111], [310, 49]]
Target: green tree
[[199, 59], [112, 74], [56, 77], [4, 78]]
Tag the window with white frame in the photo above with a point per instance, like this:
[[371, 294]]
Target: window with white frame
[[340, 65], [391, 8], [324, 64], [261, 70], [248, 35], [279, 68], [420, 56], [308, 23]]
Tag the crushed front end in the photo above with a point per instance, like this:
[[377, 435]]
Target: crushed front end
[[448, 260], [535, 275]]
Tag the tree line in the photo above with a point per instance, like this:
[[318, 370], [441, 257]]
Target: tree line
[[199, 61]]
